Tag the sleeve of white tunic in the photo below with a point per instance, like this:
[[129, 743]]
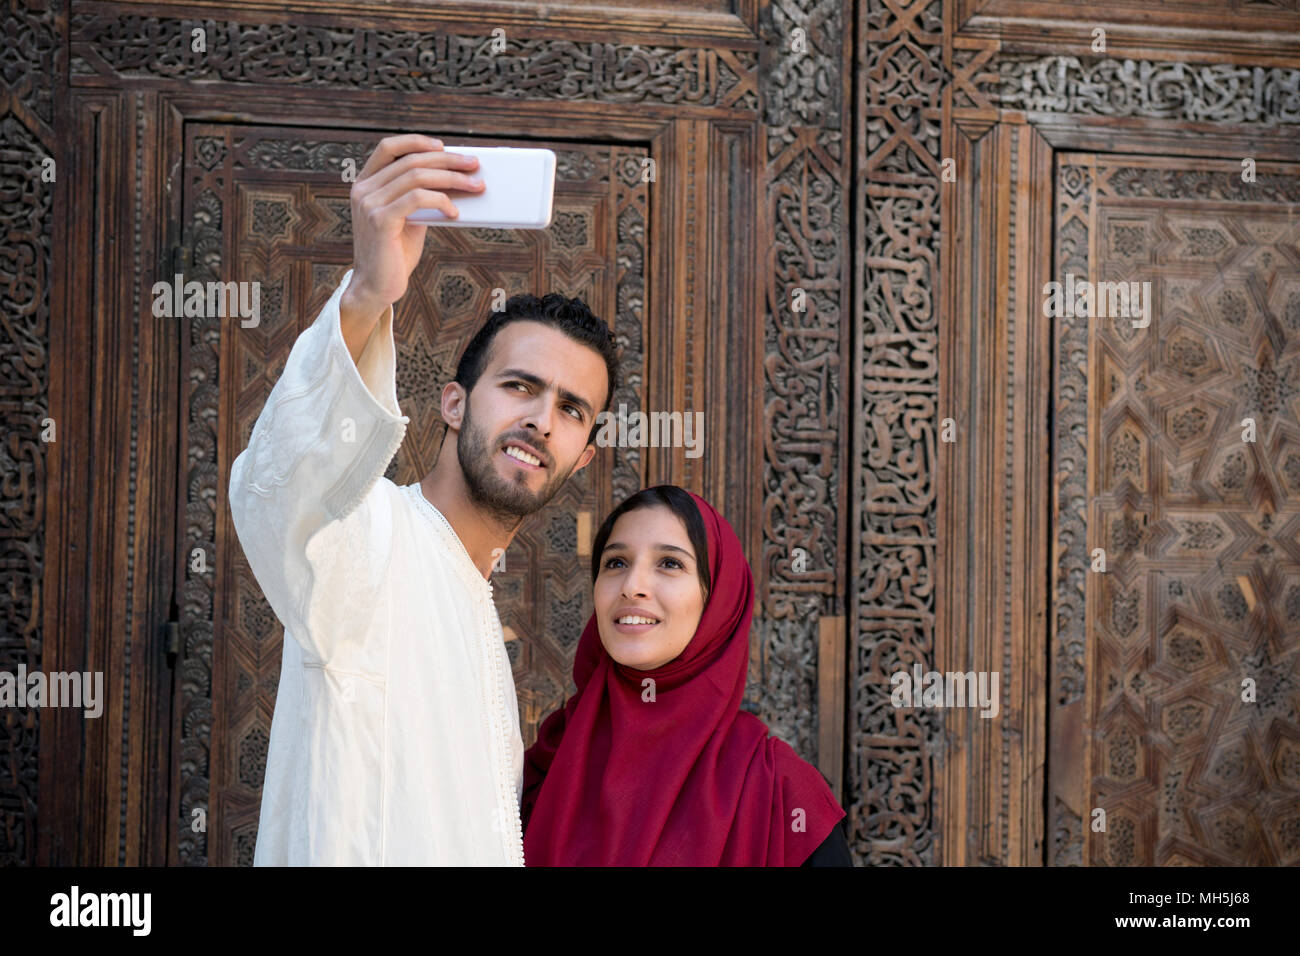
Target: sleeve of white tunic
[[299, 492]]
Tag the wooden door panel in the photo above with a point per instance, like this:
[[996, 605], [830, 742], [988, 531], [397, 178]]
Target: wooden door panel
[[269, 204], [1200, 528]]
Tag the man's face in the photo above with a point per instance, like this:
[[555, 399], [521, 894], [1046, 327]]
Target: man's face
[[532, 412]]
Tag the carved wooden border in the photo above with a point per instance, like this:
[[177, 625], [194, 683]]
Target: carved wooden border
[[890, 774], [1134, 29], [28, 397], [731, 23], [124, 50], [803, 251]]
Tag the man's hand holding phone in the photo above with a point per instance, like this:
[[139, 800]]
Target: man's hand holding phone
[[404, 174]]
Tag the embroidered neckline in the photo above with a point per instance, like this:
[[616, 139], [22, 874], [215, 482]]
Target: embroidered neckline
[[464, 566]]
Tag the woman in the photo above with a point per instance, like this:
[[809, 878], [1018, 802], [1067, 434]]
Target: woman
[[653, 762]]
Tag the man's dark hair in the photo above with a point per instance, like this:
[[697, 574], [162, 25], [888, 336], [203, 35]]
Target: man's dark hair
[[570, 316]]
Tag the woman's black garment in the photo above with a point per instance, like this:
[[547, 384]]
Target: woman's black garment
[[834, 850]]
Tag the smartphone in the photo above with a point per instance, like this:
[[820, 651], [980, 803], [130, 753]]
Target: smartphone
[[519, 189]]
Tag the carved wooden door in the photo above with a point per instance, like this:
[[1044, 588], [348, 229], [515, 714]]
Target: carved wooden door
[[1173, 722], [731, 278], [270, 205]]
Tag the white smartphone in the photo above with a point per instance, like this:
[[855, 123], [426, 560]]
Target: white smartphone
[[520, 186]]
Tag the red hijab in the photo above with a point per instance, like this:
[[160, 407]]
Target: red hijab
[[686, 780]]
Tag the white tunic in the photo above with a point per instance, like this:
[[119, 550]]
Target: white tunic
[[395, 738]]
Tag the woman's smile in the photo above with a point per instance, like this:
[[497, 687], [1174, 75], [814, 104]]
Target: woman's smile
[[635, 621]]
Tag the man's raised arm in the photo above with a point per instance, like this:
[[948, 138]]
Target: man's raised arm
[[332, 424]]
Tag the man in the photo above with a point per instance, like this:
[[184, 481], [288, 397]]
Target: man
[[395, 738]]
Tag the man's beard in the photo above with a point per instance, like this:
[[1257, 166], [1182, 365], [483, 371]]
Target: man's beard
[[507, 500]]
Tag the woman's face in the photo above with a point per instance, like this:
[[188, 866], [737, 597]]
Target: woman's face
[[648, 598]]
